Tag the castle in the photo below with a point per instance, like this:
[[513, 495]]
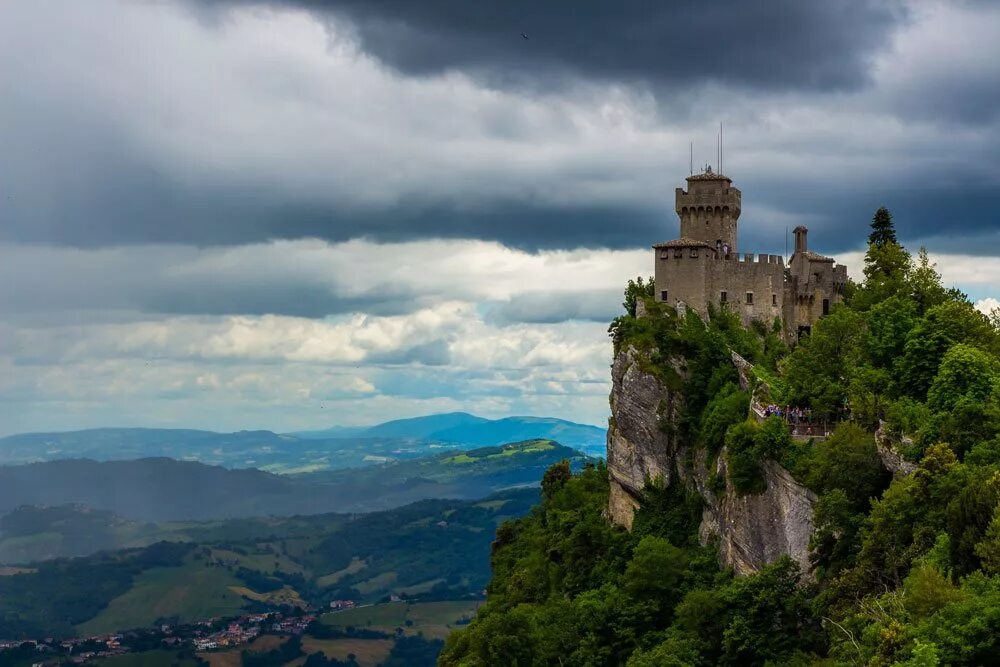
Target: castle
[[703, 265]]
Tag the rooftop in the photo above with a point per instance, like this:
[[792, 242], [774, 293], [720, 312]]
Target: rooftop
[[683, 243], [709, 175], [816, 257]]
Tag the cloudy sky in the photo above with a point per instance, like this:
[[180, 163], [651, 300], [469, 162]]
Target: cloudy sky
[[289, 215]]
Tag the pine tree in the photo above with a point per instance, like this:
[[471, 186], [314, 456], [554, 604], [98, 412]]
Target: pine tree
[[883, 231]]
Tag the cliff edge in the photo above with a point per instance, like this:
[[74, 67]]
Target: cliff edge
[[751, 529]]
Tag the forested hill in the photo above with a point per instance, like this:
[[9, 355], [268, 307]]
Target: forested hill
[[159, 489], [903, 555]]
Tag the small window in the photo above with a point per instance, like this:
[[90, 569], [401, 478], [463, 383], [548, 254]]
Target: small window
[[723, 297], [750, 298], [774, 299], [826, 306], [678, 253], [663, 295], [663, 254], [694, 252]]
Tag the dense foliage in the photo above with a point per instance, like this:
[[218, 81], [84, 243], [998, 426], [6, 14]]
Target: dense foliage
[[905, 569], [63, 593], [568, 588]]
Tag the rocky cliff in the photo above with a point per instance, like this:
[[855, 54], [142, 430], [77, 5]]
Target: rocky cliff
[[751, 530]]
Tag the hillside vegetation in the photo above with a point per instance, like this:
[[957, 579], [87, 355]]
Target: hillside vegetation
[[167, 490], [430, 550], [905, 570]]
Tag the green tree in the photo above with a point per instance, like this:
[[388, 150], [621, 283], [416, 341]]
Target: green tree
[[848, 460], [941, 327], [927, 590], [988, 549], [818, 372], [637, 289], [741, 458], [769, 616], [656, 569], [889, 323], [883, 232], [555, 478], [965, 372], [925, 283]]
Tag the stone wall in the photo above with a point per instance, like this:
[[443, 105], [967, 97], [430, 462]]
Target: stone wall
[[698, 280]]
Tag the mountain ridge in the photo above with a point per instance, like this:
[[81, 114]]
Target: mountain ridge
[[160, 488], [338, 447]]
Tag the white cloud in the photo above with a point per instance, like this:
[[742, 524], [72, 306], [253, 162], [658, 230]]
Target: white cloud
[[987, 305], [175, 278]]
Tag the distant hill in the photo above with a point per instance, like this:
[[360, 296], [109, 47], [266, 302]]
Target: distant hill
[[160, 489], [425, 428], [242, 449], [469, 430], [337, 447], [588, 439], [155, 489]]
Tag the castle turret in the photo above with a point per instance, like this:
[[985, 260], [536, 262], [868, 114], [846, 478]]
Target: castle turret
[[800, 238], [709, 210]]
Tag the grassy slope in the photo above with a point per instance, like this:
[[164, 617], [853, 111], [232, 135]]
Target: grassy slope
[[434, 619], [160, 658], [193, 591], [368, 652]]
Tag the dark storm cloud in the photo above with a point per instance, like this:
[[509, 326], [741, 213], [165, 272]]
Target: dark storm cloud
[[134, 205], [780, 44], [92, 167], [947, 211]]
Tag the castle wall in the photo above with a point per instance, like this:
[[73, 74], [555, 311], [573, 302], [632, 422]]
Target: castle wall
[[754, 286], [813, 288], [699, 280], [682, 275]]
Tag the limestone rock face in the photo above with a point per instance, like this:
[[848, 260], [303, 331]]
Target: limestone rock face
[[888, 451], [751, 530], [757, 529], [638, 449]]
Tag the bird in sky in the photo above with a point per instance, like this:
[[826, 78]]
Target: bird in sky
[[524, 35]]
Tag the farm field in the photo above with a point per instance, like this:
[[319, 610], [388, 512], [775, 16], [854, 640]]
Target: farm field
[[191, 592], [355, 566], [435, 620], [160, 658], [233, 657], [368, 652]]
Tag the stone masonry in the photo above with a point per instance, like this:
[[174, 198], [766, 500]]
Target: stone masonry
[[703, 265]]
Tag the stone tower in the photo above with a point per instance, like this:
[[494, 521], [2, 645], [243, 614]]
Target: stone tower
[[709, 210]]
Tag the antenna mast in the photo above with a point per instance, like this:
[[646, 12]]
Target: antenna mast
[[691, 163], [720, 147]]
